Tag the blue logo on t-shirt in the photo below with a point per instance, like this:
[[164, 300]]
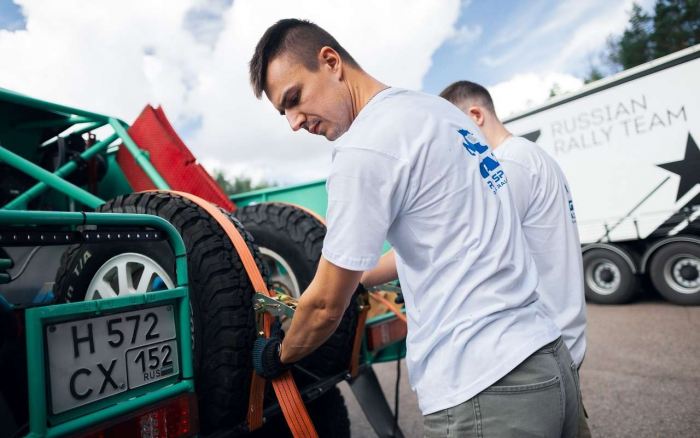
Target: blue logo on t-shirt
[[488, 165], [572, 213], [472, 148]]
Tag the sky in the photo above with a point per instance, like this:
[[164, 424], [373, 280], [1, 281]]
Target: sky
[[190, 56]]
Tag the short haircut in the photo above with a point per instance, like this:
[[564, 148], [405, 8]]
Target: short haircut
[[465, 92], [301, 39]]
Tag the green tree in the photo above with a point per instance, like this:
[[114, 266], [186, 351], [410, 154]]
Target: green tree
[[555, 90], [673, 26], [633, 47], [233, 186], [676, 26], [593, 75]]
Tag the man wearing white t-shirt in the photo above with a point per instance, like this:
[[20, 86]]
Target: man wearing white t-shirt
[[483, 355], [546, 210]]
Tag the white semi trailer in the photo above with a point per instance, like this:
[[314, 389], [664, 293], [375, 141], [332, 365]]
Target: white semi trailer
[[628, 145]]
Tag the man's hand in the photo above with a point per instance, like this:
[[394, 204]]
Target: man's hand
[[266, 354]]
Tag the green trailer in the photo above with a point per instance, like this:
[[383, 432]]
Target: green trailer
[[125, 311]]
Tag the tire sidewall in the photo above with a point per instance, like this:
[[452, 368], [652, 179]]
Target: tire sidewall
[[628, 280], [291, 252], [91, 257], [656, 272]]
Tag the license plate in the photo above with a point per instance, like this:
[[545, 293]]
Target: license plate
[[96, 358]]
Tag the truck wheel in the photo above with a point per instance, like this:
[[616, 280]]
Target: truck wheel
[[328, 413], [220, 294], [608, 278], [291, 240], [675, 272]]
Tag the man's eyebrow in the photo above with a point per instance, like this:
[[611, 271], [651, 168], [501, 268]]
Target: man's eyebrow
[[285, 99]]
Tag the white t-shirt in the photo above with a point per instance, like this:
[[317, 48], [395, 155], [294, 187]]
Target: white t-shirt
[[543, 201], [412, 170]]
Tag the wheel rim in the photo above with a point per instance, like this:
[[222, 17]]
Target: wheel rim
[[281, 273], [603, 276], [682, 273], [127, 274]]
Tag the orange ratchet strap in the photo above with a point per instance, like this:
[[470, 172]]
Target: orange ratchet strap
[[287, 393], [359, 334]]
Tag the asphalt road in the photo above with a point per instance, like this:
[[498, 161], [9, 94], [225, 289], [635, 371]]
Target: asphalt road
[[640, 377]]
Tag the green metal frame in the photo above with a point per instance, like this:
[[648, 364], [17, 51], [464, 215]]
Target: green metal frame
[[310, 195], [67, 117], [37, 318]]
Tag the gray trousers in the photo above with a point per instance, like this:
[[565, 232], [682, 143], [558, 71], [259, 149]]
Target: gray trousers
[[539, 398]]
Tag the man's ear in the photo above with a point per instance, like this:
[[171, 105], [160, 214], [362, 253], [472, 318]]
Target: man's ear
[[329, 60], [477, 114]]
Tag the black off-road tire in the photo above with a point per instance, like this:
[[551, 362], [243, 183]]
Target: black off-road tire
[[220, 294], [298, 237], [627, 281], [664, 279], [328, 413]]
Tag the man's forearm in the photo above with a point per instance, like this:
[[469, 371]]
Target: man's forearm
[[311, 327], [320, 309], [383, 273]]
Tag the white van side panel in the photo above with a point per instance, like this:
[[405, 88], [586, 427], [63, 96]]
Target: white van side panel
[[611, 145]]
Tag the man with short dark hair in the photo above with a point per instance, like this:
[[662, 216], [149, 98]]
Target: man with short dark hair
[[546, 210], [410, 168]]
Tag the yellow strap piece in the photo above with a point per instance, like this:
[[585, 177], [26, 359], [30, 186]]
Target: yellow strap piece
[[287, 393]]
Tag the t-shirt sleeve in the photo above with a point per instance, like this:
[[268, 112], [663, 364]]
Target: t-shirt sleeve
[[520, 184], [366, 190]]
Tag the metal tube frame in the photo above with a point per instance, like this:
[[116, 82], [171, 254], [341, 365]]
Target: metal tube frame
[[72, 116], [80, 131], [64, 121], [62, 172], [140, 157], [50, 179], [37, 317]]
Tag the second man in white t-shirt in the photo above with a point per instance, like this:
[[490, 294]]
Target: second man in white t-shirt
[[544, 204]]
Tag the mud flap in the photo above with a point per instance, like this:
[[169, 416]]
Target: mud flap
[[371, 398]]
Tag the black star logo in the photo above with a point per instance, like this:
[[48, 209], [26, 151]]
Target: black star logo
[[688, 168]]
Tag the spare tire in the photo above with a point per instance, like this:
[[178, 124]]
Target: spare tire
[[290, 241], [223, 324]]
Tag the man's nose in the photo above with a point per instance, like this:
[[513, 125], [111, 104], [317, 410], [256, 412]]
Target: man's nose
[[296, 120]]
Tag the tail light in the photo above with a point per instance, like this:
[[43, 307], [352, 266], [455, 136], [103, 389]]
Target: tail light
[[385, 333], [173, 418]]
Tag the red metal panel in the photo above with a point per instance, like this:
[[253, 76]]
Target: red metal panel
[[153, 133]]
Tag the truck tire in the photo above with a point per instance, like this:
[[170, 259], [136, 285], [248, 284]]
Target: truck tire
[[328, 413], [291, 240], [608, 279], [675, 272], [223, 329]]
